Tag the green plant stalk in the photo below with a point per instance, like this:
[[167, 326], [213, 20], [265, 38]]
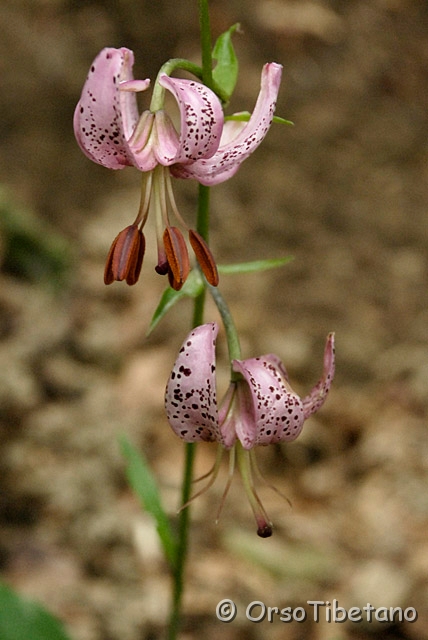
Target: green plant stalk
[[233, 344], [206, 44], [202, 226], [158, 95]]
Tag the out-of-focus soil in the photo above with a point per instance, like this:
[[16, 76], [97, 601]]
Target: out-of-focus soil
[[345, 191]]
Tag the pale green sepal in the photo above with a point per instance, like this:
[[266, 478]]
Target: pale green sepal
[[225, 73], [143, 483]]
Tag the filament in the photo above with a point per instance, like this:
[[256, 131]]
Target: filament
[[146, 194], [255, 467], [213, 472]]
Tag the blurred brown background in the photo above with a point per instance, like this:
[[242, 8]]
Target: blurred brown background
[[345, 191]]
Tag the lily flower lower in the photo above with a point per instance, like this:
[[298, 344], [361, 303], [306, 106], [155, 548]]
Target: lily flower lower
[[259, 407], [111, 132]]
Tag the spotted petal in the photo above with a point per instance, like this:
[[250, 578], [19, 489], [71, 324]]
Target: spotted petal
[[234, 149], [270, 411], [201, 120], [105, 116], [190, 399], [110, 131], [316, 398]]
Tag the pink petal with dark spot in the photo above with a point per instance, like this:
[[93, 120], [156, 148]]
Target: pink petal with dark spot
[[270, 411], [104, 115], [231, 153], [316, 398], [201, 120], [190, 398]]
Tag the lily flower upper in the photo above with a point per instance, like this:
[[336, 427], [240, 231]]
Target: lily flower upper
[[110, 131]]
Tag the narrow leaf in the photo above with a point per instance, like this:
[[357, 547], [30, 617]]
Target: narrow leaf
[[244, 116], [191, 289], [225, 73], [22, 619], [256, 265], [144, 485], [280, 120]]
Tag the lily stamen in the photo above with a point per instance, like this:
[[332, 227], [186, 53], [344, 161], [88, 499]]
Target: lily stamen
[[213, 472]]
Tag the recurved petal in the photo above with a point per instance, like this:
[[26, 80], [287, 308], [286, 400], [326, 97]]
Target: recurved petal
[[105, 116], [228, 414], [153, 139], [190, 398], [270, 411], [201, 120], [231, 153], [316, 398]]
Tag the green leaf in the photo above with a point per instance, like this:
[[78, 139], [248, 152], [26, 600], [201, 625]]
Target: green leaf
[[244, 116], [255, 265], [279, 120], [191, 289], [22, 619], [225, 73], [144, 485], [194, 284], [32, 249]]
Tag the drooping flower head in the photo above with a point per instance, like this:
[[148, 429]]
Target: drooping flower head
[[111, 132], [259, 407]]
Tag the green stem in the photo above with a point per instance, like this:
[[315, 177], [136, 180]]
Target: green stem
[[202, 226], [232, 337], [206, 45], [182, 544]]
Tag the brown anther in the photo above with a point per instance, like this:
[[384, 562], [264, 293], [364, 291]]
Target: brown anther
[[177, 256], [204, 257], [174, 284], [125, 256], [265, 531], [162, 268]]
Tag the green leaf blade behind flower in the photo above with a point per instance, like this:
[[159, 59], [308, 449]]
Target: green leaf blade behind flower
[[225, 73], [191, 289], [194, 284], [143, 483], [22, 619], [253, 266], [244, 116]]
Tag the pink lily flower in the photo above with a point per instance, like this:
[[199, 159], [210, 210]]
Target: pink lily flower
[[111, 132], [259, 408]]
